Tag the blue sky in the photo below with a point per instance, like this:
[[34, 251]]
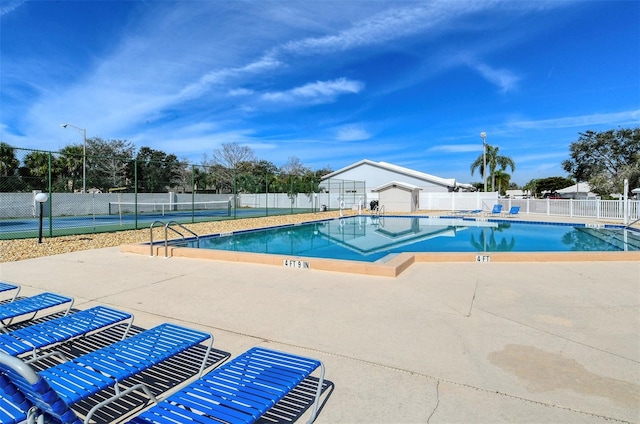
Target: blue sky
[[331, 82]]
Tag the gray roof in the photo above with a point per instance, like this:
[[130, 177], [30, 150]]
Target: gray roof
[[397, 184], [448, 182]]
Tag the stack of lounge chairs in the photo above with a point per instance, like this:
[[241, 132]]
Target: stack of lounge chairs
[[40, 384]]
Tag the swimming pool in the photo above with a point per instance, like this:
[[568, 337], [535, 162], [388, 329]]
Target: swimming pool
[[371, 239]]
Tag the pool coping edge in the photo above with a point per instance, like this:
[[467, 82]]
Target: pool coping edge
[[390, 268]]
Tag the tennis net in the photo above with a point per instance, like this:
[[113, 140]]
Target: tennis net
[[213, 207]]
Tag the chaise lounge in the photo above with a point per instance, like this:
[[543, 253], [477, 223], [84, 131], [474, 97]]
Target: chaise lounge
[[513, 211], [51, 393], [59, 330], [31, 305], [240, 391], [497, 208]]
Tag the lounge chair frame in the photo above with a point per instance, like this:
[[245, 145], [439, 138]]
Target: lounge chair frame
[[240, 391], [7, 287], [31, 305], [59, 330]]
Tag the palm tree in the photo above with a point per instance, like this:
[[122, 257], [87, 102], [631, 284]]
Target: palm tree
[[478, 164], [502, 179], [494, 159], [70, 164], [37, 164], [8, 161]]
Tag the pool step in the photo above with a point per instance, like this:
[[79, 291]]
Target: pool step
[[615, 237]]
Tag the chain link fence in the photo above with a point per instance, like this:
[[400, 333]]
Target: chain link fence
[[91, 194]]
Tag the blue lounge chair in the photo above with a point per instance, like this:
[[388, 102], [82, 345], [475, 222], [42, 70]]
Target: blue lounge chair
[[58, 330], [513, 211], [51, 393], [7, 287], [240, 391], [31, 305], [496, 210], [11, 412]]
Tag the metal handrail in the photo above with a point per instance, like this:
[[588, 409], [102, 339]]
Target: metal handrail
[[168, 227], [378, 210], [151, 235], [629, 225]]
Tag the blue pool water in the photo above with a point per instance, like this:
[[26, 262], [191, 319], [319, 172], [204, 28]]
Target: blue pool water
[[365, 238]]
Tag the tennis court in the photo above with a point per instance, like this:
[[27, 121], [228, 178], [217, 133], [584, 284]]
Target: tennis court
[[123, 217]]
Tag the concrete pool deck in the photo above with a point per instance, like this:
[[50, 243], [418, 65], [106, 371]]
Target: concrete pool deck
[[468, 342]]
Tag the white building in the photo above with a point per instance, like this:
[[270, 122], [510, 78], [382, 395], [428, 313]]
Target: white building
[[377, 174], [363, 181], [398, 197], [577, 191]]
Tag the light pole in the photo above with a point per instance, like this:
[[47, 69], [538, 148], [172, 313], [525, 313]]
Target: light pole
[[41, 198], [483, 136], [84, 154]]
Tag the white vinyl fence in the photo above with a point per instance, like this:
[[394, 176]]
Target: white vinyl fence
[[626, 211], [623, 210]]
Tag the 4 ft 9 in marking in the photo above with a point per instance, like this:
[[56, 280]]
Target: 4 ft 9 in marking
[[293, 263]]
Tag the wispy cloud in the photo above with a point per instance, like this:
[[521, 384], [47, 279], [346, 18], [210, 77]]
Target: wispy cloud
[[352, 133], [237, 92], [554, 158], [505, 79], [8, 6], [316, 92], [390, 24], [615, 118], [221, 76], [456, 148]]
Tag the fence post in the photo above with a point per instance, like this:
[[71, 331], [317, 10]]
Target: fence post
[[548, 206], [50, 190], [135, 193], [193, 194], [571, 208], [625, 209], [266, 194]]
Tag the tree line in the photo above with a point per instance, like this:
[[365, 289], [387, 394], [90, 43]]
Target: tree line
[[603, 159], [116, 165]]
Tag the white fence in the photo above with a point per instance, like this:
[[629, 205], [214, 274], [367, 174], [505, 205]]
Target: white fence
[[626, 211], [14, 205], [588, 208], [592, 208], [457, 201]]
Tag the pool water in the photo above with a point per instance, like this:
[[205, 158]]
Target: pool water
[[369, 239]]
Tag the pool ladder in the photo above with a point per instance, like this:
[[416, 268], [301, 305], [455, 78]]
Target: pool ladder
[[377, 215], [169, 226], [377, 211], [629, 225]]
